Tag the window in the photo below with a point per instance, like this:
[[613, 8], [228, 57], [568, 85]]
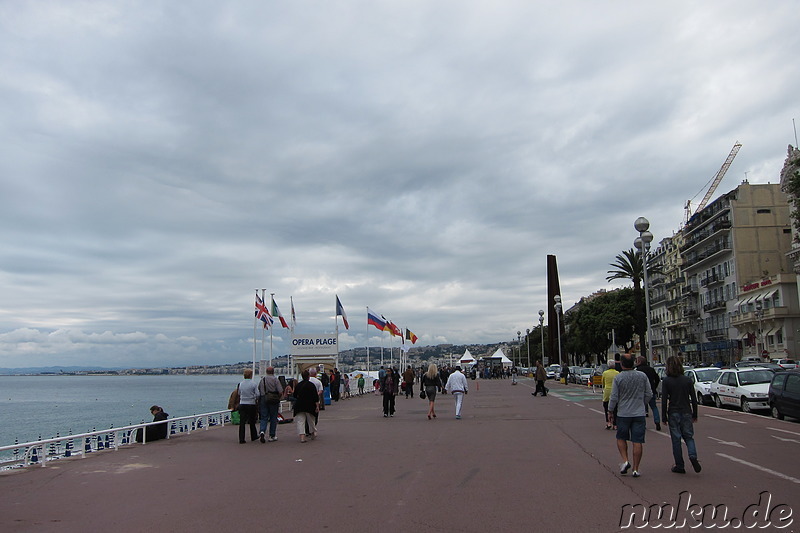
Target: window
[[793, 384], [764, 211], [779, 336], [778, 380]]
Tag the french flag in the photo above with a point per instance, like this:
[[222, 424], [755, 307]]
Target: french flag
[[340, 312]]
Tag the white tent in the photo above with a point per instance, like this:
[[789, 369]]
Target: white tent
[[467, 358], [505, 361]]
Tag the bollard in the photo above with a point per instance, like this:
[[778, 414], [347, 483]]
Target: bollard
[[34, 456], [68, 448]]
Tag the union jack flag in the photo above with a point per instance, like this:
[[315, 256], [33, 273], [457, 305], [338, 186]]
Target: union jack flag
[[262, 313]]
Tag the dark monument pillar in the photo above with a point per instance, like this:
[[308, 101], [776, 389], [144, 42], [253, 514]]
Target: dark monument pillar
[[553, 288]]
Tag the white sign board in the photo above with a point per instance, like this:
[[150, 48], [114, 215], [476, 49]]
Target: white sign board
[[314, 345]]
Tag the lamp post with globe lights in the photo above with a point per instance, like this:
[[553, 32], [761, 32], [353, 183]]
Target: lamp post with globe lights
[[642, 243], [528, 345], [557, 307], [541, 329]]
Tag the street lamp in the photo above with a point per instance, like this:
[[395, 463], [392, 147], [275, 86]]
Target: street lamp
[[642, 243], [666, 344], [519, 347], [541, 328], [759, 315], [557, 307], [528, 345]]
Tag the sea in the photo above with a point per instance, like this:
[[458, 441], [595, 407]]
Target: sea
[[42, 407]]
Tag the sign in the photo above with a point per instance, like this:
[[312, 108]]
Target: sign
[[313, 345]]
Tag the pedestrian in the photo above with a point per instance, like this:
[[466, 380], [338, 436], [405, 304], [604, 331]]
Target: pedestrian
[[361, 383], [312, 377], [389, 388], [248, 398], [541, 377], [565, 374], [679, 410], [431, 384], [270, 392], [408, 380], [608, 382], [306, 407], [514, 375], [652, 377], [457, 386], [157, 431], [630, 394], [346, 384], [336, 384]]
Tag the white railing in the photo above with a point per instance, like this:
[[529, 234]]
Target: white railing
[[41, 451]]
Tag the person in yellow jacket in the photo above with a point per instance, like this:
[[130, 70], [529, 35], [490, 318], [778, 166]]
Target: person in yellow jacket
[[608, 382]]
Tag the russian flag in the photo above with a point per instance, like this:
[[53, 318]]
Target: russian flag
[[375, 320]]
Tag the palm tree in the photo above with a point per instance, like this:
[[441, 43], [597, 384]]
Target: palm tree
[[628, 266]]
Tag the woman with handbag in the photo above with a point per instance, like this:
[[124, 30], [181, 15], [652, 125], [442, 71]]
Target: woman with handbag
[[431, 384], [306, 406]]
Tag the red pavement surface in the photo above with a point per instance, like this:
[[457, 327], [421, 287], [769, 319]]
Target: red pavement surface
[[513, 463]]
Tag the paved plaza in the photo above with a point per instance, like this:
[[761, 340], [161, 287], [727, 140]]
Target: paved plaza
[[514, 462]]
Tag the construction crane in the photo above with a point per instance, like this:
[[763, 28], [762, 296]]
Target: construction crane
[[714, 183]]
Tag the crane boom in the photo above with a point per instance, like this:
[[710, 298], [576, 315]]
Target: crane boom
[[718, 178]]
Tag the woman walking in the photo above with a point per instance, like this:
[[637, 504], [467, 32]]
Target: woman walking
[[431, 384], [306, 406], [608, 385], [389, 389], [679, 410]]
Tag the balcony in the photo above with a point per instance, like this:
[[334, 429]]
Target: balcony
[[707, 253], [714, 306], [716, 334], [711, 279], [689, 312]]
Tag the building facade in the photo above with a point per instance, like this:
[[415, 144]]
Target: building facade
[[740, 293]]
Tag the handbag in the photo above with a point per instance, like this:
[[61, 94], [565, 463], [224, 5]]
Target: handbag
[[422, 394], [273, 397]]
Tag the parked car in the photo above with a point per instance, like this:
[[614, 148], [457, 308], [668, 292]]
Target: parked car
[[785, 363], [702, 379], [746, 388], [553, 371], [584, 376], [574, 374], [784, 394], [769, 366]]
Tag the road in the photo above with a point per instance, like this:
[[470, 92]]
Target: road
[[514, 462]]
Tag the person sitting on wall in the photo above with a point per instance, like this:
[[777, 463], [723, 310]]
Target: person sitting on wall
[[156, 432]]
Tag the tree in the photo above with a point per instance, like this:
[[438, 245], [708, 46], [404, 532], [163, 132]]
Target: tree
[[591, 322], [629, 265]]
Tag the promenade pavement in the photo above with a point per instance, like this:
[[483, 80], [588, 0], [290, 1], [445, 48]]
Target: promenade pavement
[[512, 463]]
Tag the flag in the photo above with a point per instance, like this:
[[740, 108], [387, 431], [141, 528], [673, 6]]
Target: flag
[[340, 312], [386, 326], [375, 320], [410, 336], [277, 312], [294, 317], [262, 313], [395, 330]]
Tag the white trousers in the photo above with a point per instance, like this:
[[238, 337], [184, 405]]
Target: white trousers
[[300, 420], [459, 398]]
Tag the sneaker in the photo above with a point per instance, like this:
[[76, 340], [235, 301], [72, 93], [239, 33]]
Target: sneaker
[[273, 439], [624, 467], [261, 438], [635, 473], [458, 417], [695, 464], [658, 426], [678, 470]]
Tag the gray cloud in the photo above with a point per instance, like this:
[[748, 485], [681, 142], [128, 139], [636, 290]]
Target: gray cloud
[[162, 160]]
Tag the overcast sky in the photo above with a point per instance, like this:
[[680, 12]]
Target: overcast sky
[[161, 160]]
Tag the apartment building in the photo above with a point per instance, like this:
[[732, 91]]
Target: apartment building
[[740, 290]]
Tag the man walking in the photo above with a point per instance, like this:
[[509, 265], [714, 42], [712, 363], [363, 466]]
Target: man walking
[[630, 394], [457, 386], [248, 395], [541, 376], [652, 377], [270, 391], [408, 379]]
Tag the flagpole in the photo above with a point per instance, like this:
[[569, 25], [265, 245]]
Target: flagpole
[[255, 342], [291, 301], [261, 363], [366, 331], [272, 303], [336, 319]]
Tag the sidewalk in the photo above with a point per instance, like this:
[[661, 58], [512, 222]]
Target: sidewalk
[[512, 463]]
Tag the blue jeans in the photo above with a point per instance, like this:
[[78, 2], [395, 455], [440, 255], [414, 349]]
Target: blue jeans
[[681, 427], [654, 408], [268, 412]]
